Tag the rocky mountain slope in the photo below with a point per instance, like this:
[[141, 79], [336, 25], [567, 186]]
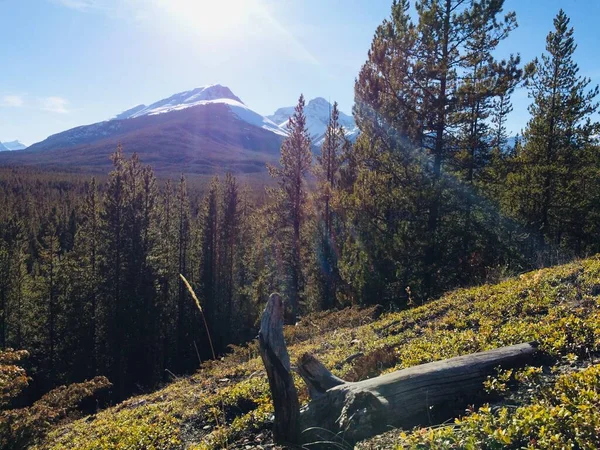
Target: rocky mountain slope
[[205, 130]]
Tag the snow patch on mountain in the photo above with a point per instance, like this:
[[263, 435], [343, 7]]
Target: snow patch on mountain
[[203, 96], [3, 148], [128, 114]]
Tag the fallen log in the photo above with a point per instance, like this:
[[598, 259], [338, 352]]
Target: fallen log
[[352, 411]]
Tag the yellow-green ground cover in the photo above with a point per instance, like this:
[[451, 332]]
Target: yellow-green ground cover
[[227, 404]]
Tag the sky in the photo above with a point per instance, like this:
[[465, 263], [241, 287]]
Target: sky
[[67, 63]]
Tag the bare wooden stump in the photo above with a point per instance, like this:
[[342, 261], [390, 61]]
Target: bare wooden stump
[[341, 410], [274, 354]]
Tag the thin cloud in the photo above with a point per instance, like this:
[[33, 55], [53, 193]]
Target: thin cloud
[[79, 5], [109, 7], [54, 104], [13, 101]]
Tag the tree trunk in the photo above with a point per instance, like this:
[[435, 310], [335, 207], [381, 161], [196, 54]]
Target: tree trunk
[[346, 412], [273, 352]]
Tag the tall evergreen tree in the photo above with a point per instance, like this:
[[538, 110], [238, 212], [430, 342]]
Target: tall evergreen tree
[[130, 313], [20, 281], [327, 171], [210, 256], [229, 232], [87, 254], [295, 163], [184, 305], [554, 141], [4, 291], [113, 307], [48, 289], [484, 80], [423, 101]]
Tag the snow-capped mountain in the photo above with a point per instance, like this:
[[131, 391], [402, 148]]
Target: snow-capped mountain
[[3, 148], [13, 145], [317, 113], [204, 130], [282, 115], [207, 95]]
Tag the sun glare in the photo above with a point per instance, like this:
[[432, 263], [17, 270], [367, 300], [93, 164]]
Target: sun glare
[[213, 18]]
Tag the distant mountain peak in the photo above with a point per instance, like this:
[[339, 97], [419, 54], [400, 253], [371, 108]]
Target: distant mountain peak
[[317, 111], [182, 100], [12, 145], [202, 130], [319, 101]]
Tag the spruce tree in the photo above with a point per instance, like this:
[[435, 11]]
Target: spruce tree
[[209, 279], [113, 328], [184, 305], [130, 312], [20, 281], [87, 254], [555, 139], [485, 87], [47, 283], [295, 163], [229, 232], [327, 171], [4, 291]]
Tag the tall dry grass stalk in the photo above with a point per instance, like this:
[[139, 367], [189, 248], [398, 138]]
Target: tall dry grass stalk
[[189, 288]]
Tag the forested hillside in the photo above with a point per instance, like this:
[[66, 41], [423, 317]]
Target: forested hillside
[[431, 197], [227, 403]]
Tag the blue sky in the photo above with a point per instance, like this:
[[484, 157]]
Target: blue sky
[[73, 62]]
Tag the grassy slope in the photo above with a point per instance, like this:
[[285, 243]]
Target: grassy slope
[[227, 402]]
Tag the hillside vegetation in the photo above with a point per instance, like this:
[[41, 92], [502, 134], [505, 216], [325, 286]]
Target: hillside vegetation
[[227, 404]]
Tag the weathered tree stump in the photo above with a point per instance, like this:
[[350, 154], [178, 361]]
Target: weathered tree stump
[[276, 359], [341, 410]]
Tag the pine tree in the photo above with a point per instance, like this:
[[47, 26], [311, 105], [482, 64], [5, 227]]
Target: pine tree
[[87, 254], [4, 291], [130, 312], [423, 101], [295, 163], [184, 306], [229, 232], [327, 171], [209, 280], [19, 281], [48, 289], [485, 80], [558, 131], [113, 308]]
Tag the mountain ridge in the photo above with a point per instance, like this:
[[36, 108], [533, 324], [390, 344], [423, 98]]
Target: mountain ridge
[[207, 129]]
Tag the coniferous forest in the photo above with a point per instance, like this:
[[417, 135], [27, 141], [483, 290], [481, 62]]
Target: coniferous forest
[[434, 194]]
